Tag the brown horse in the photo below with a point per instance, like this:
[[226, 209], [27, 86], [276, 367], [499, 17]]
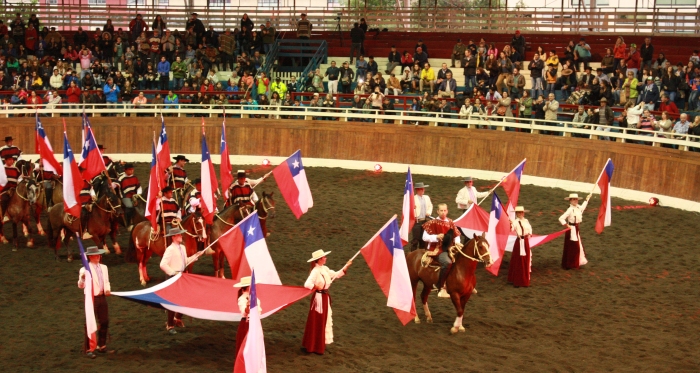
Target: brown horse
[[230, 217], [42, 202], [143, 243], [460, 281], [99, 225], [18, 209]]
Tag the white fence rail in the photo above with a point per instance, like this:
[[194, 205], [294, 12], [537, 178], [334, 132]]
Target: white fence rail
[[397, 117]]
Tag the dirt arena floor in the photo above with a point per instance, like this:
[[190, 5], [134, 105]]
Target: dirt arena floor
[[633, 308]]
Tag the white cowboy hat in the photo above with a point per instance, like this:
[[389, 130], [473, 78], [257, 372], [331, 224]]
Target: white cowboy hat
[[245, 282], [521, 209], [318, 254], [93, 250], [572, 196]]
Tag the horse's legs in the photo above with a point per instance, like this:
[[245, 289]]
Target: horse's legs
[[414, 286], [215, 260], [113, 236], [30, 241], [146, 255], [3, 239], [424, 298], [39, 228], [66, 243], [15, 240], [457, 302]]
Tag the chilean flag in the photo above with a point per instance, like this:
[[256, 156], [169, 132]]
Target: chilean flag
[[90, 322], [604, 214], [251, 356], [72, 181], [291, 178], [385, 257], [163, 149], [92, 163], [225, 166], [155, 185], [3, 177], [245, 248], [409, 207], [45, 151], [511, 184], [209, 183], [497, 234]]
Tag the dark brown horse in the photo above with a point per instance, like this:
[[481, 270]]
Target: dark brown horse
[[104, 211], [460, 281], [143, 242], [18, 209], [42, 202], [230, 217]]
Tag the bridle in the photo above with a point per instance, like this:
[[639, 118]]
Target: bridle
[[266, 206], [112, 208], [480, 259]]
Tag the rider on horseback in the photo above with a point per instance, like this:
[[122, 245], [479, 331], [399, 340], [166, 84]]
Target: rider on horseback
[[177, 176], [13, 177], [9, 150], [434, 232], [193, 200], [241, 192], [47, 177], [171, 213], [129, 185], [86, 198]]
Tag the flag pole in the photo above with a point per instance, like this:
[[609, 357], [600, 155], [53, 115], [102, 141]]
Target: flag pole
[[499, 183]]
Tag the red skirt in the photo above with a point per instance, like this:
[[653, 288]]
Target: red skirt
[[315, 331], [241, 333], [519, 268], [572, 251]]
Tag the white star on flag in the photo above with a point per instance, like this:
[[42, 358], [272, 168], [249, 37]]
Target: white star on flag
[[392, 238], [251, 230], [296, 163]]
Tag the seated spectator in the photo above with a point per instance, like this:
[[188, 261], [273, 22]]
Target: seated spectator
[[139, 102], [394, 86], [681, 127], [420, 57], [447, 87], [406, 60], [427, 77], [361, 67], [665, 124], [668, 106]]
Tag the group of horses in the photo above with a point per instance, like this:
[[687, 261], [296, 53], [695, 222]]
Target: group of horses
[[28, 200]]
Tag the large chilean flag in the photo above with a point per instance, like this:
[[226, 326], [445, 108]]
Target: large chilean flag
[[209, 183], [291, 179], [409, 207], [225, 166], [245, 248], [251, 355], [163, 149], [72, 181], [605, 214], [385, 257], [45, 151], [497, 234]]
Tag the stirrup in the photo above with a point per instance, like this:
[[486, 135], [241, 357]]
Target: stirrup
[[443, 293], [86, 235]]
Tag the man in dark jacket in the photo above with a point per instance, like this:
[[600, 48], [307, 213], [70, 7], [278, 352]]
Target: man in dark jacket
[[198, 26], [518, 43], [346, 76], [649, 94], [80, 38], [394, 60], [647, 53], [357, 37], [536, 66], [469, 65]]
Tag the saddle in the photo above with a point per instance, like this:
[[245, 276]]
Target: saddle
[[430, 257]]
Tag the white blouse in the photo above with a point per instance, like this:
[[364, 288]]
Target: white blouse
[[321, 277], [574, 214], [525, 230]]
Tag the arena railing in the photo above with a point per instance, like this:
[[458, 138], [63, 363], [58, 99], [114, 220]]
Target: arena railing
[[636, 20], [684, 142]]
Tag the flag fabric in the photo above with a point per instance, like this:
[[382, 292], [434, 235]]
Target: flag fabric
[[251, 355], [409, 207], [245, 248], [155, 185], [386, 259], [163, 149], [291, 179], [209, 183], [3, 178], [92, 163], [45, 151], [212, 298], [604, 214], [511, 184], [90, 322], [72, 181], [497, 234], [225, 166]]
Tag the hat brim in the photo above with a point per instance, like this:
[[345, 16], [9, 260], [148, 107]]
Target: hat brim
[[242, 285], [570, 198], [325, 253], [522, 211], [170, 234], [98, 252]]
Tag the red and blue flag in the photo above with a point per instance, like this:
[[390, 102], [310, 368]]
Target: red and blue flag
[[72, 181], [90, 321], [209, 183], [497, 234], [245, 248], [251, 356], [605, 213], [225, 166], [163, 149], [92, 163], [511, 184], [45, 151], [291, 179], [386, 259], [155, 185]]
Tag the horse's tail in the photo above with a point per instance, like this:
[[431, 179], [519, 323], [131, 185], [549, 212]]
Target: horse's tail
[[130, 253]]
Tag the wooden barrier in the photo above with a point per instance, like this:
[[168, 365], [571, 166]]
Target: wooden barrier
[[638, 167]]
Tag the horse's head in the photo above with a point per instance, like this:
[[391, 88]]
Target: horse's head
[[266, 206], [116, 170], [195, 222], [31, 189], [25, 167], [481, 249], [109, 201]]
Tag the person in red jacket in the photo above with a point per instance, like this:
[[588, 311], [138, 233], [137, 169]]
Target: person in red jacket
[[73, 95], [668, 106], [633, 60], [30, 38]]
